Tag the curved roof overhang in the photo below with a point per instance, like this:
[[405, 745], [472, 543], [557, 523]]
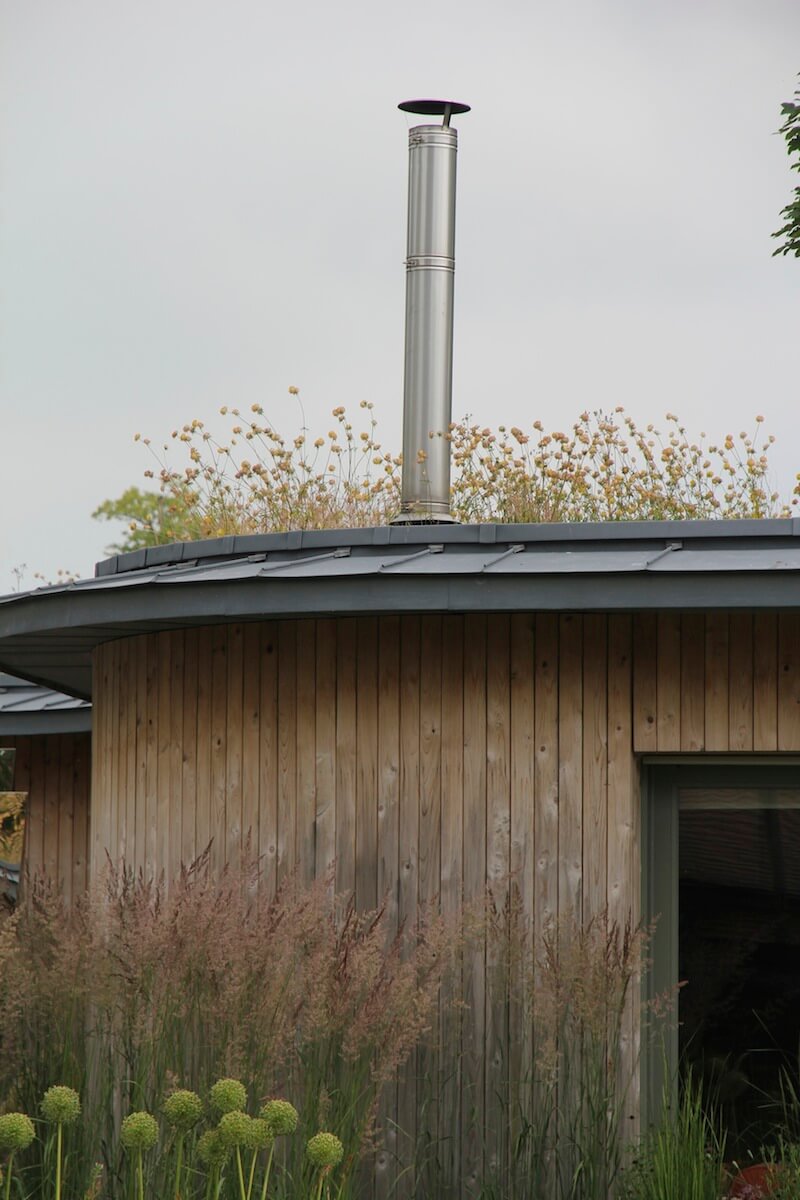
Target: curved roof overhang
[[48, 635], [27, 708]]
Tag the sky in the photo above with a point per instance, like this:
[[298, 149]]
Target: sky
[[203, 204]]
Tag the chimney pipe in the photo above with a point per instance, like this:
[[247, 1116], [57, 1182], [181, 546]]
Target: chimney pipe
[[430, 268]]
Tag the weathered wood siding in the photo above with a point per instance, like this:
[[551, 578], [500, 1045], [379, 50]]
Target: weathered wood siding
[[716, 682], [426, 755], [54, 769]]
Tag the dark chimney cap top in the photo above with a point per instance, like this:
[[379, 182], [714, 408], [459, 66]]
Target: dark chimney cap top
[[435, 108]]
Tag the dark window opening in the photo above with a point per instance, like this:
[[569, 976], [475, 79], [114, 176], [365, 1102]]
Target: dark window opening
[[739, 953]]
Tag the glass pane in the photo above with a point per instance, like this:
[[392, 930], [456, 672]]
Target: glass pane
[[739, 950], [12, 827]]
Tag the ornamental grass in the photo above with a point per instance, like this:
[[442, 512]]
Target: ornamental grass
[[137, 998]]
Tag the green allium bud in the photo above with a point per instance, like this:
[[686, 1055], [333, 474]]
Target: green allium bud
[[258, 1135], [281, 1117], [183, 1109], [228, 1095], [234, 1128], [16, 1132], [211, 1149], [139, 1131], [61, 1105], [325, 1150]]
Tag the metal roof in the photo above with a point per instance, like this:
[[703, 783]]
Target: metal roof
[[28, 708], [48, 635]]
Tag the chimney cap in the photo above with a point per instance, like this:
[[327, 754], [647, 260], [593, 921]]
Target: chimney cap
[[435, 108]]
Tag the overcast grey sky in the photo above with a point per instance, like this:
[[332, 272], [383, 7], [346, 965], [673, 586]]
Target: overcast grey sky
[[203, 203]]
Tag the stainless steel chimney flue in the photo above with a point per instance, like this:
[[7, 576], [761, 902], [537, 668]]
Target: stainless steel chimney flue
[[430, 268]]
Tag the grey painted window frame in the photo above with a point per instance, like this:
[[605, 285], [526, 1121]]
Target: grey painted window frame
[[661, 779]]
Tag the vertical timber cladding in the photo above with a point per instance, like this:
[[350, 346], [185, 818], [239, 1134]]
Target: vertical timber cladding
[[424, 755], [54, 769], [716, 682]]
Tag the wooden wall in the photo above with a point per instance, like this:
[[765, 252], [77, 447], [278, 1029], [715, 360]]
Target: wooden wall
[[428, 756], [716, 682], [54, 769]]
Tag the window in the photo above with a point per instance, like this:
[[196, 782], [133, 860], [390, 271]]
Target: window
[[722, 877], [12, 828]]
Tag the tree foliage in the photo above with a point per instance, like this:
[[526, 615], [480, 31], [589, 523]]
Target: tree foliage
[[605, 467], [790, 130]]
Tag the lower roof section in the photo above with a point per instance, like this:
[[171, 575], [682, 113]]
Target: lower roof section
[[48, 635]]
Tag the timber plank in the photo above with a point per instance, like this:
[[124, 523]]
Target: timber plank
[[287, 748], [693, 681], [740, 676], [219, 733], [164, 644], [570, 766], [475, 875], [595, 763], [717, 676], [204, 827], [389, 767], [268, 756], [346, 652], [408, 834], [668, 677], [176, 752], [189, 754], [366, 875], [251, 734], [765, 681], [789, 681], [234, 687], [66, 815], [150, 648], [325, 845], [645, 682], [430, 745], [546, 772], [306, 749]]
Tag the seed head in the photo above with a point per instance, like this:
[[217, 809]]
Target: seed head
[[61, 1105], [16, 1132], [325, 1150], [228, 1095], [139, 1131], [234, 1128], [258, 1135], [280, 1116], [183, 1109], [211, 1149]]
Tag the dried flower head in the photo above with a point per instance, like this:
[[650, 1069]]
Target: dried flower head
[[228, 1095], [211, 1149], [61, 1105], [325, 1150], [234, 1128], [281, 1117], [183, 1109], [16, 1132], [139, 1131]]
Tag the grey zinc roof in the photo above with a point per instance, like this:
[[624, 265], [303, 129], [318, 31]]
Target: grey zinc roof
[[48, 635], [28, 708]]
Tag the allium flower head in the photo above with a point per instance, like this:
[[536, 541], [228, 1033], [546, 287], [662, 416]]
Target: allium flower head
[[325, 1150], [211, 1149], [16, 1132], [258, 1134], [139, 1131], [61, 1105], [281, 1117], [183, 1109], [228, 1095], [234, 1128]]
